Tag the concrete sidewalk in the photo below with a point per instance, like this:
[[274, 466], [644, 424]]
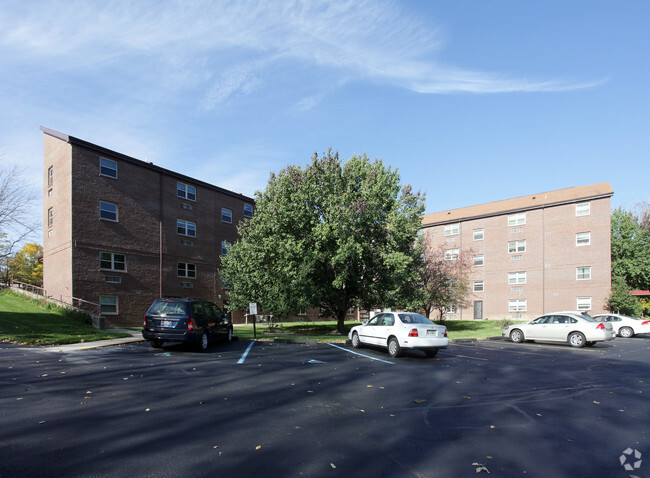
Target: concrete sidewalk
[[136, 336]]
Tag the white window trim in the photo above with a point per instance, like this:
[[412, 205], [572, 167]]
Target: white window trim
[[117, 217], [185, 225], [478, 232], [186, 270], [583, 269], [223, 215], [478, 286], [517, 244], [183, 192], [518, 219], [108, 168], [519, 277], [452, 229], [452, 254], [112, 261], [585, 304], [583, 209], [117, 309], [482, 259], [517, 305], [248, 210], [588, 241]]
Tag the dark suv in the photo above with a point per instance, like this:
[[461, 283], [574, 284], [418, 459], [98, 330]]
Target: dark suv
[[189, 320]]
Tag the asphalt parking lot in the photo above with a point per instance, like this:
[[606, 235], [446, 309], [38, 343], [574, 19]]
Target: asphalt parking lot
[[265, 409]]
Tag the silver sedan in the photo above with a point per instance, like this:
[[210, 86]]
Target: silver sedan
[[576, 330], [624, 325]]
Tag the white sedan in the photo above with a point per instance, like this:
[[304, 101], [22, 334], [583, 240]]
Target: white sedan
[[400, 330], [624, 325], [577, 330]]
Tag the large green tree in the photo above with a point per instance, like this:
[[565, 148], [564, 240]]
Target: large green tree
[[630, 249], [333, 235]]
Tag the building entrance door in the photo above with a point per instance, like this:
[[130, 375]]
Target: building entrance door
[[478, 310]]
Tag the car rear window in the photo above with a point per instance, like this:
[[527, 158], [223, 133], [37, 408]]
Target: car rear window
[[167, 308], [414, 319]]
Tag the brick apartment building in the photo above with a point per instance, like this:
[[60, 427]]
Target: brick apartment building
[[533, 254], [120, 232]]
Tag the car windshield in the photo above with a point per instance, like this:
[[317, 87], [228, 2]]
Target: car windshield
[[167, 308], [414, 319]]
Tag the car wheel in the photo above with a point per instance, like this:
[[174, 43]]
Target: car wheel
[[156, 344], [517, 336], [626, 332], [577, 339], [393, 347], [431, 352], [205, 342], [356, 343], [229, 338]]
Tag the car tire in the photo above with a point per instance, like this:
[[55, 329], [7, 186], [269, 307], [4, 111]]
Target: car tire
[[577, 339], [431, 352], [626, 332], [356, 342], [204, 343], [229, 336], [394, 350], [156, 344], [517, 336]]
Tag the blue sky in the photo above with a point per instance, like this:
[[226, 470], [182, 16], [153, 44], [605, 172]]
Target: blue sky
[[472, 101]]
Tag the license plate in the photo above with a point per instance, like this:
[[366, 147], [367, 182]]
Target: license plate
[[432, 332], [166, 323]]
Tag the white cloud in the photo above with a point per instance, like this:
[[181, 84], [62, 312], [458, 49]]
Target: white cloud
[[224, 47]]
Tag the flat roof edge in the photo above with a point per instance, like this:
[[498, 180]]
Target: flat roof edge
[[109, 152]]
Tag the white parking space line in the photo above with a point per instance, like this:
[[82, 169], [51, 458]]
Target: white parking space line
[[248, 349], [362, 355]]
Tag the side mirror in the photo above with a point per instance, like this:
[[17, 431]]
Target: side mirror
[[365, 322]]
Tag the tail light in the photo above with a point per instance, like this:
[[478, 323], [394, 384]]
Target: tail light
[[144, 322], [445, 332], [600, 326], [645, 322], [414, 333], [190, 323]]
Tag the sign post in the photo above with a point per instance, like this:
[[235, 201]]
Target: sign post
[[252, 310]]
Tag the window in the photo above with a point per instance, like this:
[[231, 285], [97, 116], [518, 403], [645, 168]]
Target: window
[[517, 219], [478, 234], [478, 260], [186, 285], [186, 191], [108, 167], [452, 309], [50, 217], [186, 228], [451, 254], [516, 277], [185, 242], [516, 246], [112, 261], [108, 304], [187, 207], [583, 303], [248, 210], [108, 211], [583, 273], [452, 229], [517, 305], [583, 239], [185, 269], [113, 279], [224, 247], [226, 215], [50, 175], [583, 209], [478, 286]]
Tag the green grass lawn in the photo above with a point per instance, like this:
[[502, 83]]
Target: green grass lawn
[[30, 322], [325, 331]]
